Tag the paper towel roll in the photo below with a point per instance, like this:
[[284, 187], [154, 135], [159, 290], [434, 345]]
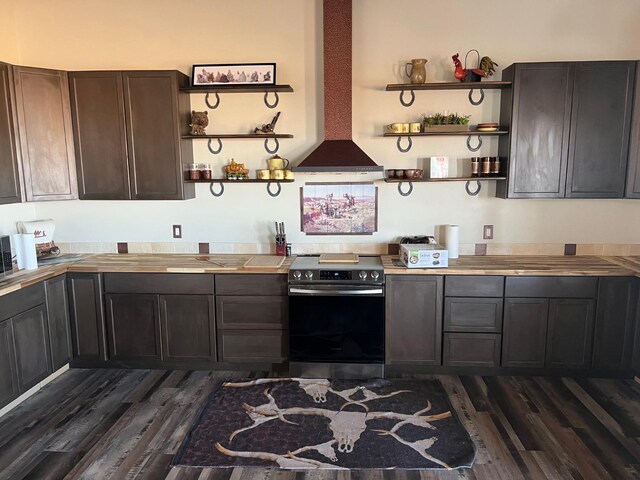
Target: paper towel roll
[[16, 244], [453, 240], [29, 251]]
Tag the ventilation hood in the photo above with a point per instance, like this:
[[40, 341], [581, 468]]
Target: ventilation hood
[[338, 152]]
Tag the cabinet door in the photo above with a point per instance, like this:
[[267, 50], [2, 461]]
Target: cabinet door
[[414, 320], [133, 325], [87, 316], [539, 132], [633, 171], [153, 135], [31, 340], [615, 323], [46, 138], [524, 332], [10, 179], [258, 312], [188, 327], [97, 110], [58, 321], [8, 375], [600, 128], [471, 350], [570, 333], [247, 346]]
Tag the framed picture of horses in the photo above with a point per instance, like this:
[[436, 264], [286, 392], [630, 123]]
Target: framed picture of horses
[[339, 208], [233, 74]]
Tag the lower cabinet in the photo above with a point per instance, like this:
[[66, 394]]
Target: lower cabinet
[[58, 320], [570, 333], [471, 350], [414, 319], [86, 312], [252, 317], [8, 375], [188, 327], [525, 332]]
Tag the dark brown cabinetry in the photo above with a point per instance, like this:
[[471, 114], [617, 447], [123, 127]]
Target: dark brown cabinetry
[[414, 319], [86, 313], [473, 320], [10, 178], [550, 324], [58, 321], [252, 318], [615, 323], [128, 127], [188, 327], [569, 127], [633, 172], [45, 134], [24, 342]]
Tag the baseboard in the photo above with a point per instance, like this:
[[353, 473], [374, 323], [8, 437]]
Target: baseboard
[[7, 408]]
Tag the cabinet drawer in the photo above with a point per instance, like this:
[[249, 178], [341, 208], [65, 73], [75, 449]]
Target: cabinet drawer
[[551, 287], [14, 303], [251, 284], [246, 346], [471, 349], [473, 286], [159, 283], [258, 312], [473, 314]]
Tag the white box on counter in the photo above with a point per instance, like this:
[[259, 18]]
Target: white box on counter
[[423, 255]]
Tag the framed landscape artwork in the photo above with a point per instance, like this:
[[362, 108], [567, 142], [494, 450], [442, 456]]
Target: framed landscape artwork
[[339, 208], [231, 74]]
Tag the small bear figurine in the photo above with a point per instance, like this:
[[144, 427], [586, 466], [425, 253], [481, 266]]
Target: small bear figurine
[[199, 121]]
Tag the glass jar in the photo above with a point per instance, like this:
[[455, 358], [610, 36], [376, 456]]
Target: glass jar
[[194, 171], [205, 171]]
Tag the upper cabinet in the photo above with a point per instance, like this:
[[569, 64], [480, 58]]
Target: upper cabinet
[[44, 130], [128, 127], [569, 125], [10, 179], [633, 173]]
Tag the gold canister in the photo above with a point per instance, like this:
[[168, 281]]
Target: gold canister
[[264, 174], [288, 174], [277, 174], [415, 127]]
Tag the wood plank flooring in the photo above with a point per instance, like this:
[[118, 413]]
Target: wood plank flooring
[[128, 424]]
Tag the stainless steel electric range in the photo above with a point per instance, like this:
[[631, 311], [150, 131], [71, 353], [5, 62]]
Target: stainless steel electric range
[[336, 318]]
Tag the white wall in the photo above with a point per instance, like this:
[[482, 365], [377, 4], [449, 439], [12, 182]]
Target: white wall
[[119, 34]]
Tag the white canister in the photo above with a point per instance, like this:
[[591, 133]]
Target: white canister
[[453, 240], [29, 251], [16, 244]]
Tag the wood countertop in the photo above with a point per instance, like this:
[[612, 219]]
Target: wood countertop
[[525, 265], [466, 265]]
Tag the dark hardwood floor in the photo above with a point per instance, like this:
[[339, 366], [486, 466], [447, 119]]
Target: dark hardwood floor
[[99, 424]]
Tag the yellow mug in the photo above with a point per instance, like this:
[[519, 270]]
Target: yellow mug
[[264, 174], [277, 174], [395, 128], [415, 127], [288, 175], [277, 163], [405, 128]]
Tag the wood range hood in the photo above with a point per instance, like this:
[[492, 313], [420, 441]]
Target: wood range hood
[[338, 152]]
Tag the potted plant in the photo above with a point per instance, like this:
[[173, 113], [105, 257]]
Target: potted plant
[[443, 122]]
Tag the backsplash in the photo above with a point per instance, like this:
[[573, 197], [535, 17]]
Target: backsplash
[[361, 248]]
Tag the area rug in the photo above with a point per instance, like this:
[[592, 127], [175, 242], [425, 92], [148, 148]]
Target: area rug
[[321, 424]]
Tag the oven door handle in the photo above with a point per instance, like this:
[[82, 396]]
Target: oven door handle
[[334, 292]]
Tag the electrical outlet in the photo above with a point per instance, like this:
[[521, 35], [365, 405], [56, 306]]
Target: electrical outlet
[[487, 232], [177, 231]]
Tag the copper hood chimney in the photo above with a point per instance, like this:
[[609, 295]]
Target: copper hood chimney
[[338, 152]]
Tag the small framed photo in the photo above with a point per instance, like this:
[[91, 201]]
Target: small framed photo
[[230, 74]]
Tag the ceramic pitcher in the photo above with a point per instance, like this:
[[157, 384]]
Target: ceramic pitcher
[[418, 73]]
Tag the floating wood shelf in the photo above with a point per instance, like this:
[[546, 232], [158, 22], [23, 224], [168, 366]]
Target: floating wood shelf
[[451, 179], [398, 87], [248, 180], [240, 135], [238, 89], [461, 133]]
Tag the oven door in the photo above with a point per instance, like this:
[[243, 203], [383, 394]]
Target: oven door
[[336, 323]]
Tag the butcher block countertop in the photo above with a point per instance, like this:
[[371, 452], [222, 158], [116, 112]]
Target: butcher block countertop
[[525, 265], [192, 263]]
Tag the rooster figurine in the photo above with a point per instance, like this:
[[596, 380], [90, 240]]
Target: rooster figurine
[[460, 73]]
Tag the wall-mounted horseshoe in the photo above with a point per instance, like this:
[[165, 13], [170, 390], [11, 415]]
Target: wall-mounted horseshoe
[[266, 145], [215, 105], [410, 102], [406, 193], [213, 192], [477, 147], [407, 148], [477, 190], [266, 100], [277, 192], [215, 152], [476, 102]]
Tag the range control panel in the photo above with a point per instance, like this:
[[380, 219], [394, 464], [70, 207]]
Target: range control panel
[[337, 276]]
